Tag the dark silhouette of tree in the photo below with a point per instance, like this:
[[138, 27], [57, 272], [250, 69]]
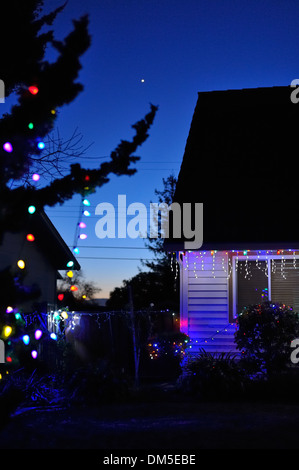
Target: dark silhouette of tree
[[41, 89], [82, 299]]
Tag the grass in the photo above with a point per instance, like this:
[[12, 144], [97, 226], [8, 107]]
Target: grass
[[159, 419]]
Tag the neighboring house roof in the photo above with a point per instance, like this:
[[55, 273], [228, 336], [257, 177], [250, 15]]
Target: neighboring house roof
[[241, 162], [51, 242]]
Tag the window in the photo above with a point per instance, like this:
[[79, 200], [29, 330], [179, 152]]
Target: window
[[252, 284], [255, 280]]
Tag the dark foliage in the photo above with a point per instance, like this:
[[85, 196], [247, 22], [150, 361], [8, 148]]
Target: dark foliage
[[213, 376], [264, 335]]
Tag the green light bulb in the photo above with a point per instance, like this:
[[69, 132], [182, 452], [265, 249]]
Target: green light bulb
[[31, 209]]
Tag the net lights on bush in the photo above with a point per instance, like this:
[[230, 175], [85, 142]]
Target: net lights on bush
[[175, 346]]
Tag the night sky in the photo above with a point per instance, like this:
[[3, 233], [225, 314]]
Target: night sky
[[162, 52]]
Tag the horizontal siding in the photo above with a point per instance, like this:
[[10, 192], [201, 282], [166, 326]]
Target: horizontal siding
[[208, 302]]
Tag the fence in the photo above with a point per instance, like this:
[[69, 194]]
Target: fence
[[109, 335]]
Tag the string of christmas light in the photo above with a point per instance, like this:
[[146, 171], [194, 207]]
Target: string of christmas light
[[15, 320], [200, 263], [174, 265], [216, 332]]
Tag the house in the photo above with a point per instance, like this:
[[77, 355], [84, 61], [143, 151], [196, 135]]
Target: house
[[44, 253], [240, 161]]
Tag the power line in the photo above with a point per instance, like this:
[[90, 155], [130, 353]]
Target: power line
[[113, 247], [124, 259]]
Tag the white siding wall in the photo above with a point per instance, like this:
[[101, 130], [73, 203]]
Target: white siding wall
[[205, 301]]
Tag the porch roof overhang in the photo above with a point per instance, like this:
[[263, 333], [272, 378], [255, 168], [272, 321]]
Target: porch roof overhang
[[50, 242]]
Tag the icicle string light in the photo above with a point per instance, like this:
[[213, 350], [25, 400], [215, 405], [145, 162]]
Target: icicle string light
[[197, 262]]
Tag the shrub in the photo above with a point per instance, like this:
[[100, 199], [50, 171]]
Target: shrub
[[96, 383], [168, 346], [213, 376], [264, 336]]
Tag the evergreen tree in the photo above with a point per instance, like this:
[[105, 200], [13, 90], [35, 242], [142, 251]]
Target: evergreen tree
[[39, 89]]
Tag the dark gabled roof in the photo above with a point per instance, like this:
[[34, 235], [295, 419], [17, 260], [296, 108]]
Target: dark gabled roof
[[241, 161], [50, 241]]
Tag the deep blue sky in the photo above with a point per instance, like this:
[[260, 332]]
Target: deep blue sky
[[179, 47]]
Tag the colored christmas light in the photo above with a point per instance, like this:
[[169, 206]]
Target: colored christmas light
[[86, 202], [86, 213], [53, 336], [76, 250], [83, 236], [35, 177], [38, 334], [26, 339], [30, 237], [30, 125], [87, 178], [70, 264], [8, 147], [7, 331], [82, 224], [21, 264], [18, 316], [53, 111], [41, 145], [60, 297], [9, 309], [74, 288], [34, 354], [33, 90], [31, 209], [64, 315], [70, 274]]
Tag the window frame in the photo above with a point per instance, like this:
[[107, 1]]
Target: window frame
[[252, 257]]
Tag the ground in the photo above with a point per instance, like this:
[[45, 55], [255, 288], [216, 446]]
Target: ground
[[156, 425]]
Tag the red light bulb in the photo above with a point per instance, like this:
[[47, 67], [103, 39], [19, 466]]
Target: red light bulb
[[30, 237], [33, 90]]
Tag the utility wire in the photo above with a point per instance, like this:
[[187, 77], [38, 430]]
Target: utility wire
[[124, 259]]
